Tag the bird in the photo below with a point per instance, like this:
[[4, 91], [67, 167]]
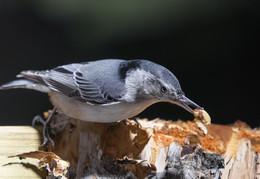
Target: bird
[[107, 90]]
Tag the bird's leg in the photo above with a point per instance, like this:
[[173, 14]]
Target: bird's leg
[[137, 122], [45, 132]]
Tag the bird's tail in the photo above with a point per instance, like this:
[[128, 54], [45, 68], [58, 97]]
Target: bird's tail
[[24, 83]]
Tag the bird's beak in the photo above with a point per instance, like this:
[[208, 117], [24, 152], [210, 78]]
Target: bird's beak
[[185, 103]]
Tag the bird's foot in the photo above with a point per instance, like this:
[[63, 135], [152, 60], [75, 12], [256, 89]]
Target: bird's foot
[[46, 125]]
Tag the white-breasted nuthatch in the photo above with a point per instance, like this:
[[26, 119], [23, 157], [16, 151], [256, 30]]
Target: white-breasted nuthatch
[[105, 91]]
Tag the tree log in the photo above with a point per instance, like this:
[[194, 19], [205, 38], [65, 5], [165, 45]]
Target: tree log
[[156, 149]]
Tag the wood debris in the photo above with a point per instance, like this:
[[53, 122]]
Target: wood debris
[[153, 149], [131, 164], [53, 163], [129, 145]]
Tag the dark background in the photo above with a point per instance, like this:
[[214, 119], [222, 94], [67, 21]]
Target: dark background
[[211, 46]]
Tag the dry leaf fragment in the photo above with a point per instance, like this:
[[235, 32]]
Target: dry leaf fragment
[[202, 115], [36, 154], [53, 163]]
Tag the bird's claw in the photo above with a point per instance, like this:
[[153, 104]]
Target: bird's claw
[[45, 132], [36, 119]]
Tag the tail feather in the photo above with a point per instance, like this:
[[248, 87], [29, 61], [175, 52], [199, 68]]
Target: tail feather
[[23, 83], [35, 76]]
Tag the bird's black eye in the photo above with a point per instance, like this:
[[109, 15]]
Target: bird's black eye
[[163, 89]]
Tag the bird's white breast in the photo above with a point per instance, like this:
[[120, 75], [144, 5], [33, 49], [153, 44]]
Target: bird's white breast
[[98, 113]]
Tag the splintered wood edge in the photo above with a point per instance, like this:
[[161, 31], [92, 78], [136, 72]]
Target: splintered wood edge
[[150, 140], [220, 138]]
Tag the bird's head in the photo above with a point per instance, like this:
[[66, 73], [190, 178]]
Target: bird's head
[[152, 81]]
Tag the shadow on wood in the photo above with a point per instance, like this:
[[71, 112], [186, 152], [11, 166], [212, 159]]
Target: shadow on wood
[[158, 149]]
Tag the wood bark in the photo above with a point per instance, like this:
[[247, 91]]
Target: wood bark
[[156, 149]]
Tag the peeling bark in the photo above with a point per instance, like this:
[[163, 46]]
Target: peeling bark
[[157, 149]]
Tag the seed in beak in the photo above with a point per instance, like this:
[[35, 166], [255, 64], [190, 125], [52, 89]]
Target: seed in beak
[[202, 115]]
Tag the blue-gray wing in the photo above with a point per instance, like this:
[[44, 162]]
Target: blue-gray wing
[[91, 91], [100, 86]]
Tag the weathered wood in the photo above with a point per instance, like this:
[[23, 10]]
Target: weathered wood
[[165, 149], [15, 140], [245, 164], [156, 149]]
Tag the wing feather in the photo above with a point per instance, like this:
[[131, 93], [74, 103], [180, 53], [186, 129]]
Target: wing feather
[[90, 91], [69, 80]]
